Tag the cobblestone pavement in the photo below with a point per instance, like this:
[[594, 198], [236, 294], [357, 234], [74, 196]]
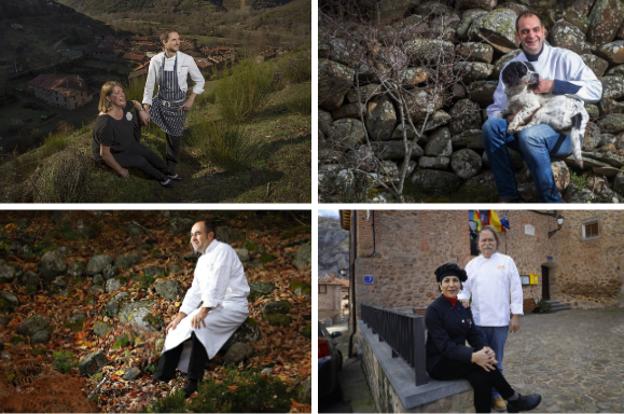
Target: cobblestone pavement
[[574, 358]]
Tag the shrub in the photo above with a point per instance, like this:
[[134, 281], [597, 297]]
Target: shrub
[[54, 143], [300, 99], [295, 67], [239, 392], [63, 361], [225, 145], [245, 91]]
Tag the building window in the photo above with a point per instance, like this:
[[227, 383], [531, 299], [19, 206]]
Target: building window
[[590, 230], [322, 289]]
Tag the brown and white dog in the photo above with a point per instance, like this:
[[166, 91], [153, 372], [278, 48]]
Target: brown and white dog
[[564, 113]]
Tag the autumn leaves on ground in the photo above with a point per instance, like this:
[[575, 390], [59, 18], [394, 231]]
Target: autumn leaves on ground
[[84, 297]]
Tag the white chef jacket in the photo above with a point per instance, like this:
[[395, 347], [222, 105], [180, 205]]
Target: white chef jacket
[[219, 282], [496, 290], [556, 64], [186, 66]]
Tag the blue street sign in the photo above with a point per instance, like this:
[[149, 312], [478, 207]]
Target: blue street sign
[[369, 279]]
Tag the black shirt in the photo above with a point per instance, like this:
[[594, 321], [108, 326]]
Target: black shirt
[[448, 329], [119, 135]]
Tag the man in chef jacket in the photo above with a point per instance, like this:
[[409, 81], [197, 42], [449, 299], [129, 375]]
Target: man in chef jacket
[[213, 308], [496, 291]]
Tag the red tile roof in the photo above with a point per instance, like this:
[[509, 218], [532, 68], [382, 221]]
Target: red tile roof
[[63, 84]]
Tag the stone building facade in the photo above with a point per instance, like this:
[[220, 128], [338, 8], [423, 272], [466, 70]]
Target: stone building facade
[[394, 254], [333, 298], [66, 91]]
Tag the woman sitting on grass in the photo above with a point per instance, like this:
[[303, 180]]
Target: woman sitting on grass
[[117, 134]]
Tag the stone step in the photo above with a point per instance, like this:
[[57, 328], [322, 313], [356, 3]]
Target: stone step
[[556, 306]]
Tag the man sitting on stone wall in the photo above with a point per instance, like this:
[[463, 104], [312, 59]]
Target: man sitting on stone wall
[[561, 72]]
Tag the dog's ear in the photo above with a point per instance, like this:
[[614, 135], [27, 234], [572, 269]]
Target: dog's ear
[[513, 72]]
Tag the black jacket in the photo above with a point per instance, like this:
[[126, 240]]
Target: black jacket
[[448, 329]]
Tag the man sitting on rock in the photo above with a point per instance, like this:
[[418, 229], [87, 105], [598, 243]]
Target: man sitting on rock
[[212, 309], [561, 72]]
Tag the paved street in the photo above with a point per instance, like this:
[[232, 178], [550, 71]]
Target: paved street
[[574, 358]]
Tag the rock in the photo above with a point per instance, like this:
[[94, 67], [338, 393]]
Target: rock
[[132, 374], [76, 321], [597, 65], [591, 139], [390, 171], [226, 234], [112, 307], [278, 319], [423, 102], [101, 328], [481, 187], [7, 273], [99, 264], [281, 306], [575, 194], [438, 119], [467, 19], [136, 313], [76, 268], [127, 260], [243, 255], [300, 288], [465, 115], [168, 289], [395, 150], [439, 163], [475, 4], [325, 122], [593, 111], [156, 271], [112, 285], [345, 51], [466, 163], [8, 301], [180, 224], [602, 191], [503, 60], [435, 182], [330, 156], [616, 70], [566, 35], [482, 92], [498, 28], [363, 158], [613, 52], [604, 21], [258, 289], [439, 143], [473, 71], [29, 281], [59, 283], [611, 106], [52, 264], [561, 174], [380, 118], [421, 50], [334, 81], [238, 352], [37, 328], [98, 280], [613, 87], [470, 138], [92, 363], [347, 133], [411, 77], [618, 183], [351, 110], [248, 332], [475, 52], [612, 123], [303, 256]]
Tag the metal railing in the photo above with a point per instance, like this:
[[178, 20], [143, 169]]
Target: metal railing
[[404, 333]]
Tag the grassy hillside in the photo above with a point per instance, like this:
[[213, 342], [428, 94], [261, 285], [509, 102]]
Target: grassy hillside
[[275, 137]]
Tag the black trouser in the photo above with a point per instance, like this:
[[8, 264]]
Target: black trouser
[[169, 361], [142, 158], [172, 151], [481, 380]]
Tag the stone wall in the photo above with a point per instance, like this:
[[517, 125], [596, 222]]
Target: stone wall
[[448, 161], [409, 245]]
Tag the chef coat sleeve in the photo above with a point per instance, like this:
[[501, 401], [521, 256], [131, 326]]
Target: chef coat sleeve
[[466, 292], [192, 298], [150, 82], [441, 340], [515, 289], [196, 77], [580, 75], [217, 278]]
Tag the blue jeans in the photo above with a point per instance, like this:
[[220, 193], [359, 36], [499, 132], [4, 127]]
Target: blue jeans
[[495, 337], [536, 144]]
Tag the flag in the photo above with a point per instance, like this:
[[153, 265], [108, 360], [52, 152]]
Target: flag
[[505, 222], [495, 222], [473, 216], [484, 215]]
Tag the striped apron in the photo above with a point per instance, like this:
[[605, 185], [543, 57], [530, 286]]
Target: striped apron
[[166, 110]]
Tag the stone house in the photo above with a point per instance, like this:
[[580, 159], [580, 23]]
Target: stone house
[[66, 91], [333, 298], [393, 255]]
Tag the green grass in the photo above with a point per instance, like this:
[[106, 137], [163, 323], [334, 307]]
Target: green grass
[[245, 91], [63, 361]]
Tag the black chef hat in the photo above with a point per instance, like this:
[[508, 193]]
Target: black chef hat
[[450, 269]]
